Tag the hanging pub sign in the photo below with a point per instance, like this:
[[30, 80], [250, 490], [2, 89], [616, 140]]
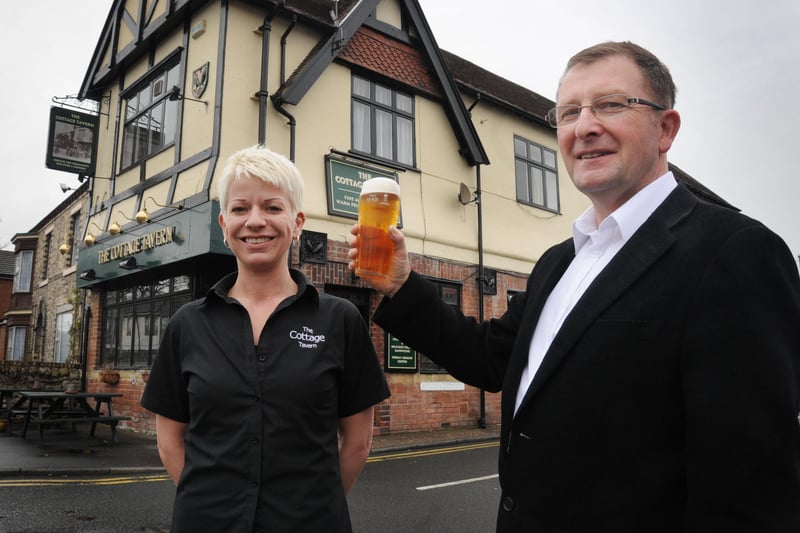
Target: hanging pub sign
[[399, 357], [72, 141], [344, 180]]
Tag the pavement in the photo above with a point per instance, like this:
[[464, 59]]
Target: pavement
[[64, 452]]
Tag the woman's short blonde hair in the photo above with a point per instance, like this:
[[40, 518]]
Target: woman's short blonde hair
[[259, 162]]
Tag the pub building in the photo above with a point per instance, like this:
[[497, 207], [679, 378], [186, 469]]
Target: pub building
[[348, 90]]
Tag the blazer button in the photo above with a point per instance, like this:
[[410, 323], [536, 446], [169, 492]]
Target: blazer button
[[508, 503]]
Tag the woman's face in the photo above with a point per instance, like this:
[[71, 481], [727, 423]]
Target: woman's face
[[259, 224]]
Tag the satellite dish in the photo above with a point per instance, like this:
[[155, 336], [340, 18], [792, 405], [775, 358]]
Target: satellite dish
[[464, 195]]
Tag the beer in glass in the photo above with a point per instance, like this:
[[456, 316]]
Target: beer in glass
[[378, 208]]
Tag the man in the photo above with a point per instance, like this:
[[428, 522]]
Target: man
[[650, 372]]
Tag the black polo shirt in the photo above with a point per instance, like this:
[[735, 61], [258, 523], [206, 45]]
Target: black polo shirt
[[261, 445]]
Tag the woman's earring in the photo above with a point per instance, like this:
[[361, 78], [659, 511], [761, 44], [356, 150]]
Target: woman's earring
[[225, 242]]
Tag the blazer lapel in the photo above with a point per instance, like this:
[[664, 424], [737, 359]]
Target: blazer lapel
[[638, 255], [544, 277]]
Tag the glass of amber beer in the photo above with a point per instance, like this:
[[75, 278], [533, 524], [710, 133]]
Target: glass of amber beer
[[378, 208]]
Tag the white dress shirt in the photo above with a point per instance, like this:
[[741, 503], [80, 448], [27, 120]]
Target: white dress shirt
[[595, 247]]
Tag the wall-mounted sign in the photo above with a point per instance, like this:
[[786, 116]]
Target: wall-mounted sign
[[399, 357], [344, 181], [72, 141]]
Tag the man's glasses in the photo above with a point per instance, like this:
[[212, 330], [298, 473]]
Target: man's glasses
[[605, 106]]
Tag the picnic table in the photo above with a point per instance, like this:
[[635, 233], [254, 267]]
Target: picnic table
[[57, 407]]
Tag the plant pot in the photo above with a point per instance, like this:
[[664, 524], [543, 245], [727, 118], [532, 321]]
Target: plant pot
[[109, 376]]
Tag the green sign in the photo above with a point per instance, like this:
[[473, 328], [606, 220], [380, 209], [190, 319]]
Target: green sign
[[399, 357], [344, 180]]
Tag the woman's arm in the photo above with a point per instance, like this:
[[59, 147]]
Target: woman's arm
[[169, 436], [355, 441]]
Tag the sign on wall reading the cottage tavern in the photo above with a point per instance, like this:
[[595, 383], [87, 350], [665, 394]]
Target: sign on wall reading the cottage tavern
[[344, 180], [72, 141]]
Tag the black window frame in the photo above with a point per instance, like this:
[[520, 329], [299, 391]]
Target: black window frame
[[139, 306], [140, 101], [375, 106], [546, 163]]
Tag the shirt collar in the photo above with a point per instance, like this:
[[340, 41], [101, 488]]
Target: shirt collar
[[304, 288], [628, 217]]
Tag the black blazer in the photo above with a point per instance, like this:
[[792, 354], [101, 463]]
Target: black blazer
[[667, 402]]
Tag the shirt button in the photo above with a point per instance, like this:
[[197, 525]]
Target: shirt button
[[508, 503], [262, 358], [255, 442]]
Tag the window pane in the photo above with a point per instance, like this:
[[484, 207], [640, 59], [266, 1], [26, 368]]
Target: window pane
[[383, 95], [537, 186], [128, 145], [535, 153], [145, 99], [156, 128], [520, 148], [361, 130], [172, 77], [383, 134], [126, 336], [61, 344], [404, 103], [521, 174], [110, 327], [22, 271], [550, 158], [182, 283], [361, 87], [161, 287], [15, 349], [552, 190], [405, 146], [141, 335], [170, 122], [142, 291]]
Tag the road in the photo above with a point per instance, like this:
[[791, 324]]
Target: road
[[453, 489], [446, 489]]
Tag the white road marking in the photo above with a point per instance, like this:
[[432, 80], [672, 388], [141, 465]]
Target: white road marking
[[460, 482]]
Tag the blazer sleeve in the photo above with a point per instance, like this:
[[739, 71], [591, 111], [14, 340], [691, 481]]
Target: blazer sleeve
[[474, 353], [741, 376]]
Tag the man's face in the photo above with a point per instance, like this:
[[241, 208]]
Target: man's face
[[612, 158]]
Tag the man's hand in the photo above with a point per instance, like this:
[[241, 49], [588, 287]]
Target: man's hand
[[400, 266]]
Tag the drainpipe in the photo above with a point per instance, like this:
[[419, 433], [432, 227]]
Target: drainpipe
[[262, 94], [277, 102], [481, 280]]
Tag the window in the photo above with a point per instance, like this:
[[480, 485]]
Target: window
[[134, 317], [61, 345], [451, 294], [382, 122], [74, 229], [151, 118], [536, 175], [22, 271], [16, 343], [48, 242]]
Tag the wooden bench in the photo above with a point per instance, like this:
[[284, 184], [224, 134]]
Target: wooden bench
[[111, 421]]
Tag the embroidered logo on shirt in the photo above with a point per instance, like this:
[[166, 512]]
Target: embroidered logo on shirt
[[307, 338]]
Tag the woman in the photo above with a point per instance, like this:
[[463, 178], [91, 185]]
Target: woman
[[264, 390]]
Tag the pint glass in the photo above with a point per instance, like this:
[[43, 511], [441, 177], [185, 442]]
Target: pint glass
[[378, 208]]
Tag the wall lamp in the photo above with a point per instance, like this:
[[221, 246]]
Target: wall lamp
[[115, 228], [129, 264], [67, 245], [90, 238], [175, 94], [143, 216]]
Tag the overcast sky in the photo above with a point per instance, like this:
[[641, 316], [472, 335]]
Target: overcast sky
[[736, 65]]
